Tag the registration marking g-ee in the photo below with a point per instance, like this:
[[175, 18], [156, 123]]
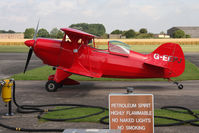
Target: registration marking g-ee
[[167, 58]]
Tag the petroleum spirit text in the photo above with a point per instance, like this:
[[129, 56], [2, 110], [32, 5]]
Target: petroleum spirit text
[[167, 58], [130, 105]]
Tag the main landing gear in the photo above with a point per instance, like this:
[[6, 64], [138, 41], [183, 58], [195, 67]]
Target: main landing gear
[[52, 86], [180, 86]]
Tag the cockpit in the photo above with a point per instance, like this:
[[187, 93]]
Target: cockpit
[[113, 47], [119, 48]]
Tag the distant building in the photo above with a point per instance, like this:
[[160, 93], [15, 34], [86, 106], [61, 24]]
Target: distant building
[[192, 31], [116, 36], [11, 36], [161, 36]]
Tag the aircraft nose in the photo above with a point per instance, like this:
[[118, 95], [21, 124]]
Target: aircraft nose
[[29, 43]]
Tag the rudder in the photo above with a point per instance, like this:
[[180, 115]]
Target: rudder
[[170, 57]]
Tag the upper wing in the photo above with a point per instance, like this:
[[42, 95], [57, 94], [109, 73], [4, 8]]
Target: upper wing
[[75, 32]]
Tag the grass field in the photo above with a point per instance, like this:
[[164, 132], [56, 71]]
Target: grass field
[[139, 45], [183, 41], [187, 41], [12, 41], [13, 49], [150, 48], [78, 112], [137, 48], [191, 73]]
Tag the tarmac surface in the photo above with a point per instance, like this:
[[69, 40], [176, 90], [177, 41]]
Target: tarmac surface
[[90, 93], [193, 57], [13, 63], [96, 93]]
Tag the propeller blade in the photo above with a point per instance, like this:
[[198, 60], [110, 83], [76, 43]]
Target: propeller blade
[[36, 30], [31, 48], [28, 59]]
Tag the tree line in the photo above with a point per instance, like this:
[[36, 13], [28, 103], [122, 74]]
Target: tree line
[[180, 34], [95, 29], [142, 33], [54, 33], [9, 31]]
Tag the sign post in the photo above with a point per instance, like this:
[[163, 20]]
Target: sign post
[[131, 113]]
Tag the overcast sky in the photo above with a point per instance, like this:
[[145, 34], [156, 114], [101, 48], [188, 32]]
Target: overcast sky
[[155, 15]]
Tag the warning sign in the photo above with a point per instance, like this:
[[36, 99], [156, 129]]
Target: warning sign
[[131, 113]]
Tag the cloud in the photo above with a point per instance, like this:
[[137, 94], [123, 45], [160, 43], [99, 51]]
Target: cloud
[[45, 8], [156, 15], [88, 13], [17, 19], [10, 12], [149, 10]]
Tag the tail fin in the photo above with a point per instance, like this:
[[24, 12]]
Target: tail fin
[[170, 57]]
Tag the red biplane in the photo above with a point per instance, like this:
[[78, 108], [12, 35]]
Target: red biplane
[[75, 55]]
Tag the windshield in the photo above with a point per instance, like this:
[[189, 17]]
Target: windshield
[[119, 47]]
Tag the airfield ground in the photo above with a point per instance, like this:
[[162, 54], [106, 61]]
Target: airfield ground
[[91, 93], [96, 93]]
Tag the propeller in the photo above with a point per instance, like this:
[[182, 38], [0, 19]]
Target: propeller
[[31, 48]]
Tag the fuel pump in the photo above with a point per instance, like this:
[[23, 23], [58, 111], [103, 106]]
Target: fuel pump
[[6, 94]]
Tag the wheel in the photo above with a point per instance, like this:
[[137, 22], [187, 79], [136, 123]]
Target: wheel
[[180, 86], [51, 86]]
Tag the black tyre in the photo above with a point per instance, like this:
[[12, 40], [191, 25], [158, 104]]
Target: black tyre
[[180, 86], [51, 86]]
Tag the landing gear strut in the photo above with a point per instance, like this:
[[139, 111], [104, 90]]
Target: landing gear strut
[[180, 86]]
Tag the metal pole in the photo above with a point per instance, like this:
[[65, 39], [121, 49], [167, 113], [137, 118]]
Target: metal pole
[[9, 109], [129, 90]]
